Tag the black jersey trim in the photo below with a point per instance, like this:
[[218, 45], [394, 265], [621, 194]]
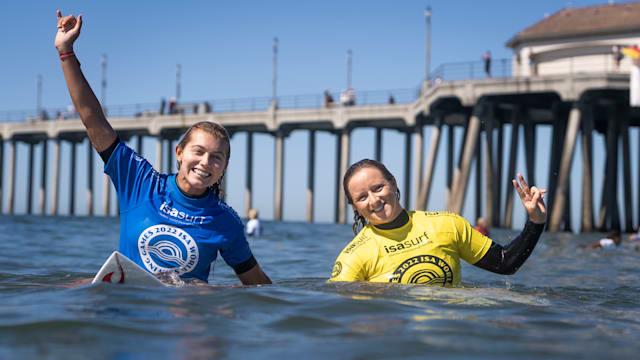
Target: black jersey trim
[[106, 154], [508, 259], [400, 221], [201, 196], [245, 266]]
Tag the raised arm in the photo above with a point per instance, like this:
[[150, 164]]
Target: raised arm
[[508, 259], [99, 130]]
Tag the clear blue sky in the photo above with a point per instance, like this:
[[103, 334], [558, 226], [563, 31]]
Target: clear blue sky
[[224, 49]]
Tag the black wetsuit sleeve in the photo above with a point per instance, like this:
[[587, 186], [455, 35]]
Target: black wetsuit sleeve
[[508, 259], [245, 266], [106, 154]]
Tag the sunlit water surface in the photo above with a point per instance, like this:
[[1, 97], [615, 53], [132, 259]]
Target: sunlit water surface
[[565, 302]]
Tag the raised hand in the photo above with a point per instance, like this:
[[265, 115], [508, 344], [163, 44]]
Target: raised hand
[[68, 32], [532, 199]]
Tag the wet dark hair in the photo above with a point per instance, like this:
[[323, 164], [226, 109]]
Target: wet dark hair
[[217, 131], [614, 234], [360, 221]]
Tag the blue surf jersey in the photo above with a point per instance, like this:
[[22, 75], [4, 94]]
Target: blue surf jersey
[[161, 229]]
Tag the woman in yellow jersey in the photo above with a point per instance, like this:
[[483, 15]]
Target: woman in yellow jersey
[[417, 247]]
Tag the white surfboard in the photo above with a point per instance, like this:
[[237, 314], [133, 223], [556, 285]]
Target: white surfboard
[[119, 269]]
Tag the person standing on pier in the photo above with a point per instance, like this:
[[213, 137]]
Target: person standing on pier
[[487, 63], [328, 100], [169, 223], [418, 247]]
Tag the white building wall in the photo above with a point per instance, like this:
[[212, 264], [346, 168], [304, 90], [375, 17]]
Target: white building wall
[[577, 55]]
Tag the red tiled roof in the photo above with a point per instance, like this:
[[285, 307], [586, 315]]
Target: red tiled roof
[[593, 20]]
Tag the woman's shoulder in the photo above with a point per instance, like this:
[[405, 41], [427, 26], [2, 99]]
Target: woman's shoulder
[[434, 215], [124, 155], [363, 240], [223, 220], [440, 221], [229, 212]]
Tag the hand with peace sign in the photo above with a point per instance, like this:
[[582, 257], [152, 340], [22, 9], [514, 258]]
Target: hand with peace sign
[[532, 199]]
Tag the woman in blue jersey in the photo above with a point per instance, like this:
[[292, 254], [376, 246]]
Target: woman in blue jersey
[[400, 246], [169, 223]]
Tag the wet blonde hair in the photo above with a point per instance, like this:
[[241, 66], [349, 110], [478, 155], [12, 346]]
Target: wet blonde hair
[[219, 132]]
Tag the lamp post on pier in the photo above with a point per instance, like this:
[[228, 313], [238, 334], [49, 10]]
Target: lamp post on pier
[[178, 72], [349, 56], [427, 58], [39, 96], [274, 73], [103, 95]]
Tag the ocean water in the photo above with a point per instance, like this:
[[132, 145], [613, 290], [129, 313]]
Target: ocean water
[[565, 302]]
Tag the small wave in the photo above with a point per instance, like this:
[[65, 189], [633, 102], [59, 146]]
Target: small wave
[[476, 296]]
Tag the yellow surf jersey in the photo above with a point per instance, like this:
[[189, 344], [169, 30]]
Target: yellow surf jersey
[[426, 250]]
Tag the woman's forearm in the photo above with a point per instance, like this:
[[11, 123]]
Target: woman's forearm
[[99, 130], [508, 259]]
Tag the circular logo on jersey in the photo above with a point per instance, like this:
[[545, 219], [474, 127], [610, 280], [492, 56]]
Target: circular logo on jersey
[[167, 248], [423, 269], [337, 269]]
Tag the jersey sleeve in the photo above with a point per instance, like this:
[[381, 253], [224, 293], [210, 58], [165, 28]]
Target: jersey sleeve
[[472, 245], [348, 266], [130, 174], [235, 250]]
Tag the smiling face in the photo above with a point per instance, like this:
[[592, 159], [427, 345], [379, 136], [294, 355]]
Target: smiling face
[[373, 196], [203, 160]]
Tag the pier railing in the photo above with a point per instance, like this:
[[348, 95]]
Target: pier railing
[[468, 70], [445, 72], [458, 71], [374, 97]]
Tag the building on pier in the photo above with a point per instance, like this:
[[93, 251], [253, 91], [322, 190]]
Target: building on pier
[[577, 40]]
